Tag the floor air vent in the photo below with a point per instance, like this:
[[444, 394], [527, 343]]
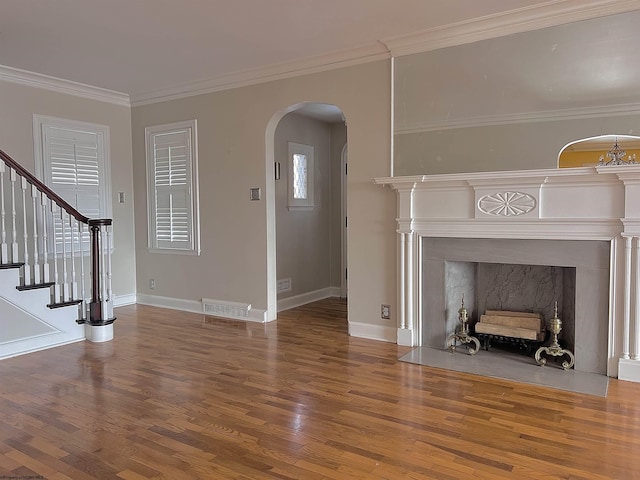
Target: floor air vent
[[218, 308]]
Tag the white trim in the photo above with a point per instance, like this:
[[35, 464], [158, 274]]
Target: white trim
[[534, 17], [66, 87], [305, 66], [98, 333], [629, 370], [194, 306], [191, 128], [7, 353], [344, 257], [408, 337], [527, 117], [105, 187], [373, 332], [304, 298], [127, 299]]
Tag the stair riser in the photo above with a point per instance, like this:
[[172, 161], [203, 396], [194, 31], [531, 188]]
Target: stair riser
[[57, 326]]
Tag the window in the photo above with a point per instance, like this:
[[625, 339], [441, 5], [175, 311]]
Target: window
[[301, 176], [72, 158], [172, 185]]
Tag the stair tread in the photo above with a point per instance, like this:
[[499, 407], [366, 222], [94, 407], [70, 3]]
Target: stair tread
[[35, 286], [11, 265], [64, 304]]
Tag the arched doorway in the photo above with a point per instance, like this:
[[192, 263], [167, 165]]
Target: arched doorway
[[305, 237]]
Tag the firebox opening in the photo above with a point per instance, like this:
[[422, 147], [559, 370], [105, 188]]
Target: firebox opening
[[519, 275], [511, 287]]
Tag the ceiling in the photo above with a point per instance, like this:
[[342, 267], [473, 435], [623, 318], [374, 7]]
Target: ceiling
[[138, 47]]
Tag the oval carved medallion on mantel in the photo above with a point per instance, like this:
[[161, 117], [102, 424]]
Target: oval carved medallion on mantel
[[506, 204]]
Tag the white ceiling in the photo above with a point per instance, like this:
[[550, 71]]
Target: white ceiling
[[142, 46]]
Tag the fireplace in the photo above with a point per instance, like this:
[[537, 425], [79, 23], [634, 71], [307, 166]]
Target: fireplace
[[576, 229], [520, 275]]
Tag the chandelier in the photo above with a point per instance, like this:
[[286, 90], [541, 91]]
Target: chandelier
[[616, 156]]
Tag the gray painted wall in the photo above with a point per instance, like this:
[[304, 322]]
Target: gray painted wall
[[511, 103], [234, 129]]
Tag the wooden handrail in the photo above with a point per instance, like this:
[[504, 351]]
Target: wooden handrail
[[29, 177], [96, 311]]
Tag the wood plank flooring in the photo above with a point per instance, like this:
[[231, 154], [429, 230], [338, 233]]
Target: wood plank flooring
[[184, 396]]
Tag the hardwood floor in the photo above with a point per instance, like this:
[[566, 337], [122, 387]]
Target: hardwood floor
[[184, 396]]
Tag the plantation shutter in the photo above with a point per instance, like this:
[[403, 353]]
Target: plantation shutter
[[172, 182], [73, 162]]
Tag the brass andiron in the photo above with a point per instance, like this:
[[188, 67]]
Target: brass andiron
[[462, 334], [555, 326]]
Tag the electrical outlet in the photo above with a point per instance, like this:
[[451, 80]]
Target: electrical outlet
[[152, 284], [385, 312]]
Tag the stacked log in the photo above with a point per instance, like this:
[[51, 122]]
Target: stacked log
[[524, 325]]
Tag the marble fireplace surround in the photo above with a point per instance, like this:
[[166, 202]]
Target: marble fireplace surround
[[588, 260], [587, 218]]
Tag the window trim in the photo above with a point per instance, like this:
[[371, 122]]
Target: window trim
[[301, 203], [194, 195], [40, 121]]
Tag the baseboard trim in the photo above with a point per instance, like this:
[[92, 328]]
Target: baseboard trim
[[304, 298], [194, 306], [122, 300], [629, 370], [38, 348], [373, 332]]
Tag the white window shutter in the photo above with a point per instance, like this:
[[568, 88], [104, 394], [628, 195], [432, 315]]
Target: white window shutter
[[74, 167], [73, 159], [172, 183]]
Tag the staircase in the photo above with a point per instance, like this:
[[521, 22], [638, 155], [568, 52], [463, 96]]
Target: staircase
[[55, 267]]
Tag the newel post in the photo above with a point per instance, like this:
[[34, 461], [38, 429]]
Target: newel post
[[99, 326]]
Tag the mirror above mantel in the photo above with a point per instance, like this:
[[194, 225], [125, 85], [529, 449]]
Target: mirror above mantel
[[601, 150], [514, 102]]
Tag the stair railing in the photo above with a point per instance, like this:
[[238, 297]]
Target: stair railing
[[55, 245]]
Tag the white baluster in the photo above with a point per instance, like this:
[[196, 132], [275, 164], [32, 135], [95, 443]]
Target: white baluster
[[14, 245], [65, 275], [74, 284], [25, 233], [37, 267], [56, 276], [83, 280], [3, 231], [46, 269], [103, 272]]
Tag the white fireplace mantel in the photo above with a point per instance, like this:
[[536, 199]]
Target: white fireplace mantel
[[589, 203]]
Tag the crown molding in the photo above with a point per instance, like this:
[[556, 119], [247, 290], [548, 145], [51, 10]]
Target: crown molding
[[320, 63], [541, 116], [59, 85], [549, 14]]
